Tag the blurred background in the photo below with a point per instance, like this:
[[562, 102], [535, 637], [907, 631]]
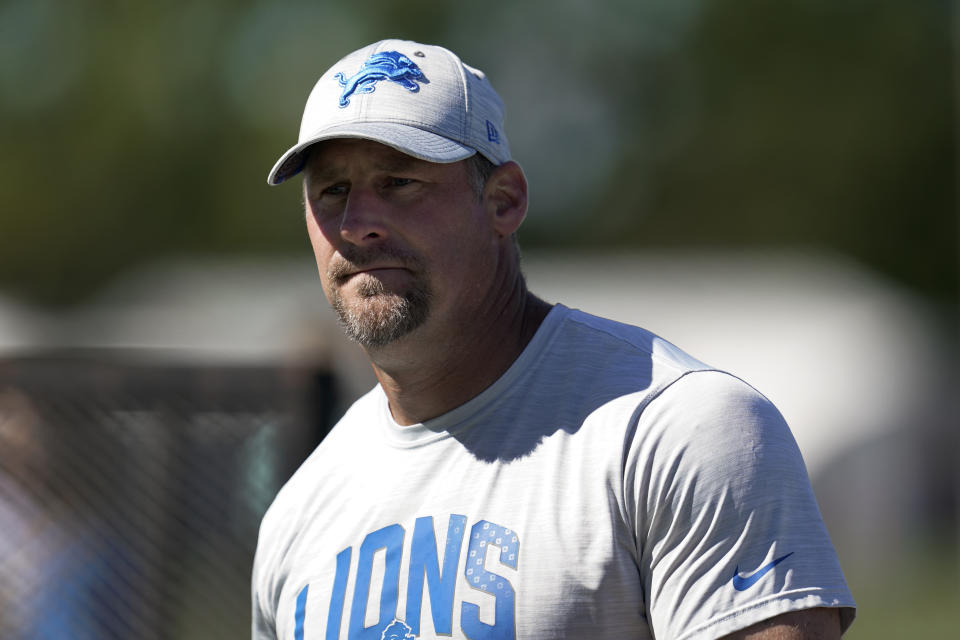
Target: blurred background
[[770, 185]]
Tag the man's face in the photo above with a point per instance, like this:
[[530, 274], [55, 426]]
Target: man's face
[[398, 241]]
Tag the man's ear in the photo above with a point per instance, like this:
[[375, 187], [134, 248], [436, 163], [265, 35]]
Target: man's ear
[[505, 198]]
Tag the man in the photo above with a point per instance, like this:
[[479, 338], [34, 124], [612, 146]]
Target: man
[[522, 470]]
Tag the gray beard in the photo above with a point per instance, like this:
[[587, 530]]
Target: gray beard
[[381, 318], [378, 317]]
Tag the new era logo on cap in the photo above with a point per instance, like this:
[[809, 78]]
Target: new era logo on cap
[[419, 99], [492, 134]]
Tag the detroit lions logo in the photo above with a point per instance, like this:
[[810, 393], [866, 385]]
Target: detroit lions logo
[[397, 631], [388, 65]]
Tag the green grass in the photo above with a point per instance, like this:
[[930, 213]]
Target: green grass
[[919, 599]]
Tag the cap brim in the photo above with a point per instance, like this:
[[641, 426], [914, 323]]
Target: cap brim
[[404, 138]]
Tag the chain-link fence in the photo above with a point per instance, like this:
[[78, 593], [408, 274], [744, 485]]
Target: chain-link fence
[[131, 491]]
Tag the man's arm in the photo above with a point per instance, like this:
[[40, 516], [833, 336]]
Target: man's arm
[[810, 624], [724, 495]]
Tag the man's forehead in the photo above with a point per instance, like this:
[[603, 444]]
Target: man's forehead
[[332, 155]]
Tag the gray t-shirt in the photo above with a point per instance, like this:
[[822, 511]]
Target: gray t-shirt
[[607, 486]]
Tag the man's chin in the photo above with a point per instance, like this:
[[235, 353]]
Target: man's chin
[[374, 306], [381, 319]]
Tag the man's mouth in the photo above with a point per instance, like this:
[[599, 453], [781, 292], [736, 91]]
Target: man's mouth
[[385, 262], [374, 271]]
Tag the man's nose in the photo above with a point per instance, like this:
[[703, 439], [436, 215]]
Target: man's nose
[[364, 217]]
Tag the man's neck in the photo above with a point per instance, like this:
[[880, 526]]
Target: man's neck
[[433, 372]]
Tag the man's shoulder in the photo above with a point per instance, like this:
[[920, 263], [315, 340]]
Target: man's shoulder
[[582, 364], [615, 337]]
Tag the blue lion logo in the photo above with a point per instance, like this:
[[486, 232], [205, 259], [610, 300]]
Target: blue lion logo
[[388, 65], [397, 630]]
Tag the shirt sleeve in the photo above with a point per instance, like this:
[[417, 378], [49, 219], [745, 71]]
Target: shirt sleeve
[[727, 527], [263, 626]]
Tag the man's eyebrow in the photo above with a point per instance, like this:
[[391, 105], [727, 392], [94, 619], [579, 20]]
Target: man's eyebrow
[[399, 162], [326, 173]]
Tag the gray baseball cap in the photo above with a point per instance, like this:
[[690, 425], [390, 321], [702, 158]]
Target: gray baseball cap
[[419, 99]]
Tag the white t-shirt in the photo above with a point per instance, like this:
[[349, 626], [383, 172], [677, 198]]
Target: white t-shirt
[[607, 486]]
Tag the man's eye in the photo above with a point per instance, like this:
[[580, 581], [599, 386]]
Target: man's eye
[[334, 190], [399, 182]]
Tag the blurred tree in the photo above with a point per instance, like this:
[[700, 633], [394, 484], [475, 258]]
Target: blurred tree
[[132, 131], [814, 123]]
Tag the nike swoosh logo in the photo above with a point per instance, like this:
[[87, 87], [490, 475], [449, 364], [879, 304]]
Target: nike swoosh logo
[[742, 584]]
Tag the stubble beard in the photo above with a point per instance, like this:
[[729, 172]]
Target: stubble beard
[[377, 317]]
